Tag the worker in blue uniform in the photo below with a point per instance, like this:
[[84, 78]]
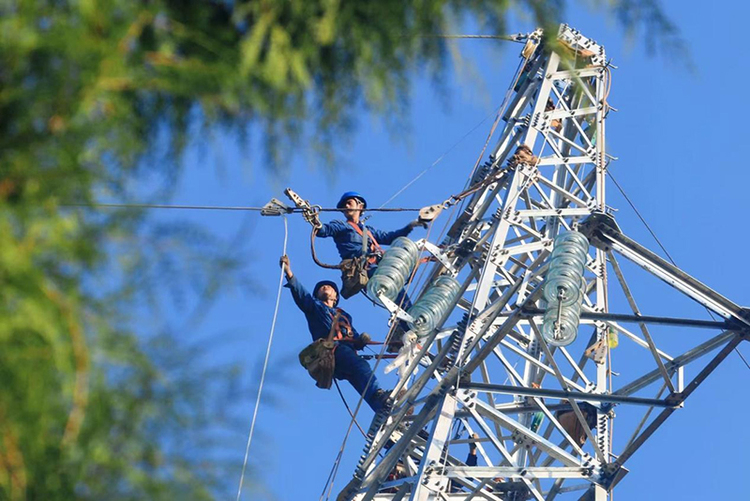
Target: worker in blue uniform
[[348, 234], [320, 309], [356, 260]]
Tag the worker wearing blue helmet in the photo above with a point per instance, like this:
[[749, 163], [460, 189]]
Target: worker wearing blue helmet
[[348, 234], [334, 336]]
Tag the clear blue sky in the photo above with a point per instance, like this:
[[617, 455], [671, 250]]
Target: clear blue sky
[[678, 137]]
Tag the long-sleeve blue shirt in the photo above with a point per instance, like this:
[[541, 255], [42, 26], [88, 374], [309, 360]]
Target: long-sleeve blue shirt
[[319, 315], [349, 241]]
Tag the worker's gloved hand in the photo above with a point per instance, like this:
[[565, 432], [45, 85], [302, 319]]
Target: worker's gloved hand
[[418, 222], [284, 263], [473, 445], [316, 222], [361, 341]]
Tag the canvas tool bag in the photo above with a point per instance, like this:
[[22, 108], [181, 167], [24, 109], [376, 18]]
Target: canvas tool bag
[[353, 276], [318, 358], [354, 271]]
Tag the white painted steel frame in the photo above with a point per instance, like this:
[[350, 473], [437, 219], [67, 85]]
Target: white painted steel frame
[[497, 248]]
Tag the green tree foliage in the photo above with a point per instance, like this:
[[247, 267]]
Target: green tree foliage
[[91, 91]]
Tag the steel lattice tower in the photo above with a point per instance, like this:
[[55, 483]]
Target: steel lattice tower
[[463, 380]]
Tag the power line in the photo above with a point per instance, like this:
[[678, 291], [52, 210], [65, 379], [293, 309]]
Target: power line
[[632, 206], [289, 210], [518, 37], [437, 161]]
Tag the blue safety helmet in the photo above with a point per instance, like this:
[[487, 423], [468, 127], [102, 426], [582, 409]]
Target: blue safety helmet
[[327, 282], [350, 194]]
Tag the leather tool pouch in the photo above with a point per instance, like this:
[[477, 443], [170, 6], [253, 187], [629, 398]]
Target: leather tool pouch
[[353, 276], [319, 360]]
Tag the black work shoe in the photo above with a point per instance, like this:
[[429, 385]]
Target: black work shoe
[[381, 396]]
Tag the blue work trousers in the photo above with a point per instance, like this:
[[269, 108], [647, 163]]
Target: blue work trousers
[[356, 370]]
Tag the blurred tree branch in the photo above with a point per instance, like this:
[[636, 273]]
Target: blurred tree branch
[[91, 406]]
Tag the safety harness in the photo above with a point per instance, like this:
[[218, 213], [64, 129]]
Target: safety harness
[[336, 323], [374, 247]]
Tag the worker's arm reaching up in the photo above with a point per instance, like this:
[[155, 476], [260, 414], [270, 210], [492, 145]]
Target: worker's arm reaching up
[[302, 297]]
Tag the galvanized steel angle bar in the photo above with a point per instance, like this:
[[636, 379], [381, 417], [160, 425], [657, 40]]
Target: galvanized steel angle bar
[[560, 190], [526, 91], [510, 138], [527, 248], [566, 159], [507, 326], [691, 387], [528, 472], [436, 444], [553, 420], [558, 212], [408, 398], [634, 337], [608, 236], [576, 409], [574, 178], [644, 419], [679, 361], [515, 378], [567, 141], [673, 281], [578, 370], [538, 363], [490, 398], [644, 330], [595, 71], [569, 113], [515, 221], [508, 458], [375, 476], [483, 409]]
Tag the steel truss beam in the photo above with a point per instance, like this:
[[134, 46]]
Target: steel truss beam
[[492, 380]]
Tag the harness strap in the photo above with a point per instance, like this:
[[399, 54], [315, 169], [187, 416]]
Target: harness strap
[[337, 320], [374, 245]]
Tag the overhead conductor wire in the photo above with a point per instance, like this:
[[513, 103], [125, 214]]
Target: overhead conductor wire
[[289, 210], [265, 365]]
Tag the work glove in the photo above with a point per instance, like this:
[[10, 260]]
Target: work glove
[[361, 341], [418, 222]]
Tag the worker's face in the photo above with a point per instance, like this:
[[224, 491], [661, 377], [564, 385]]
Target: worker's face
[[327, 292], [352, 208]]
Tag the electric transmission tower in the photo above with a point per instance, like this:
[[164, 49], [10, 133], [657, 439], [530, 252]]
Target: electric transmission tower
[[518, 369]]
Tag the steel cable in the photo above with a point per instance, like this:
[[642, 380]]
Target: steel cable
[[265, 365]]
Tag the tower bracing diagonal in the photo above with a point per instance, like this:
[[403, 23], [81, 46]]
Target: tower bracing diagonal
[[506, 384]]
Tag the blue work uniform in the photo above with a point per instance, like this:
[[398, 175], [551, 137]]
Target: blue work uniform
[[349, 365], [349, 241], [349, 244]]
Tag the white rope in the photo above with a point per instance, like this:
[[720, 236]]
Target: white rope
[[265, 366]]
